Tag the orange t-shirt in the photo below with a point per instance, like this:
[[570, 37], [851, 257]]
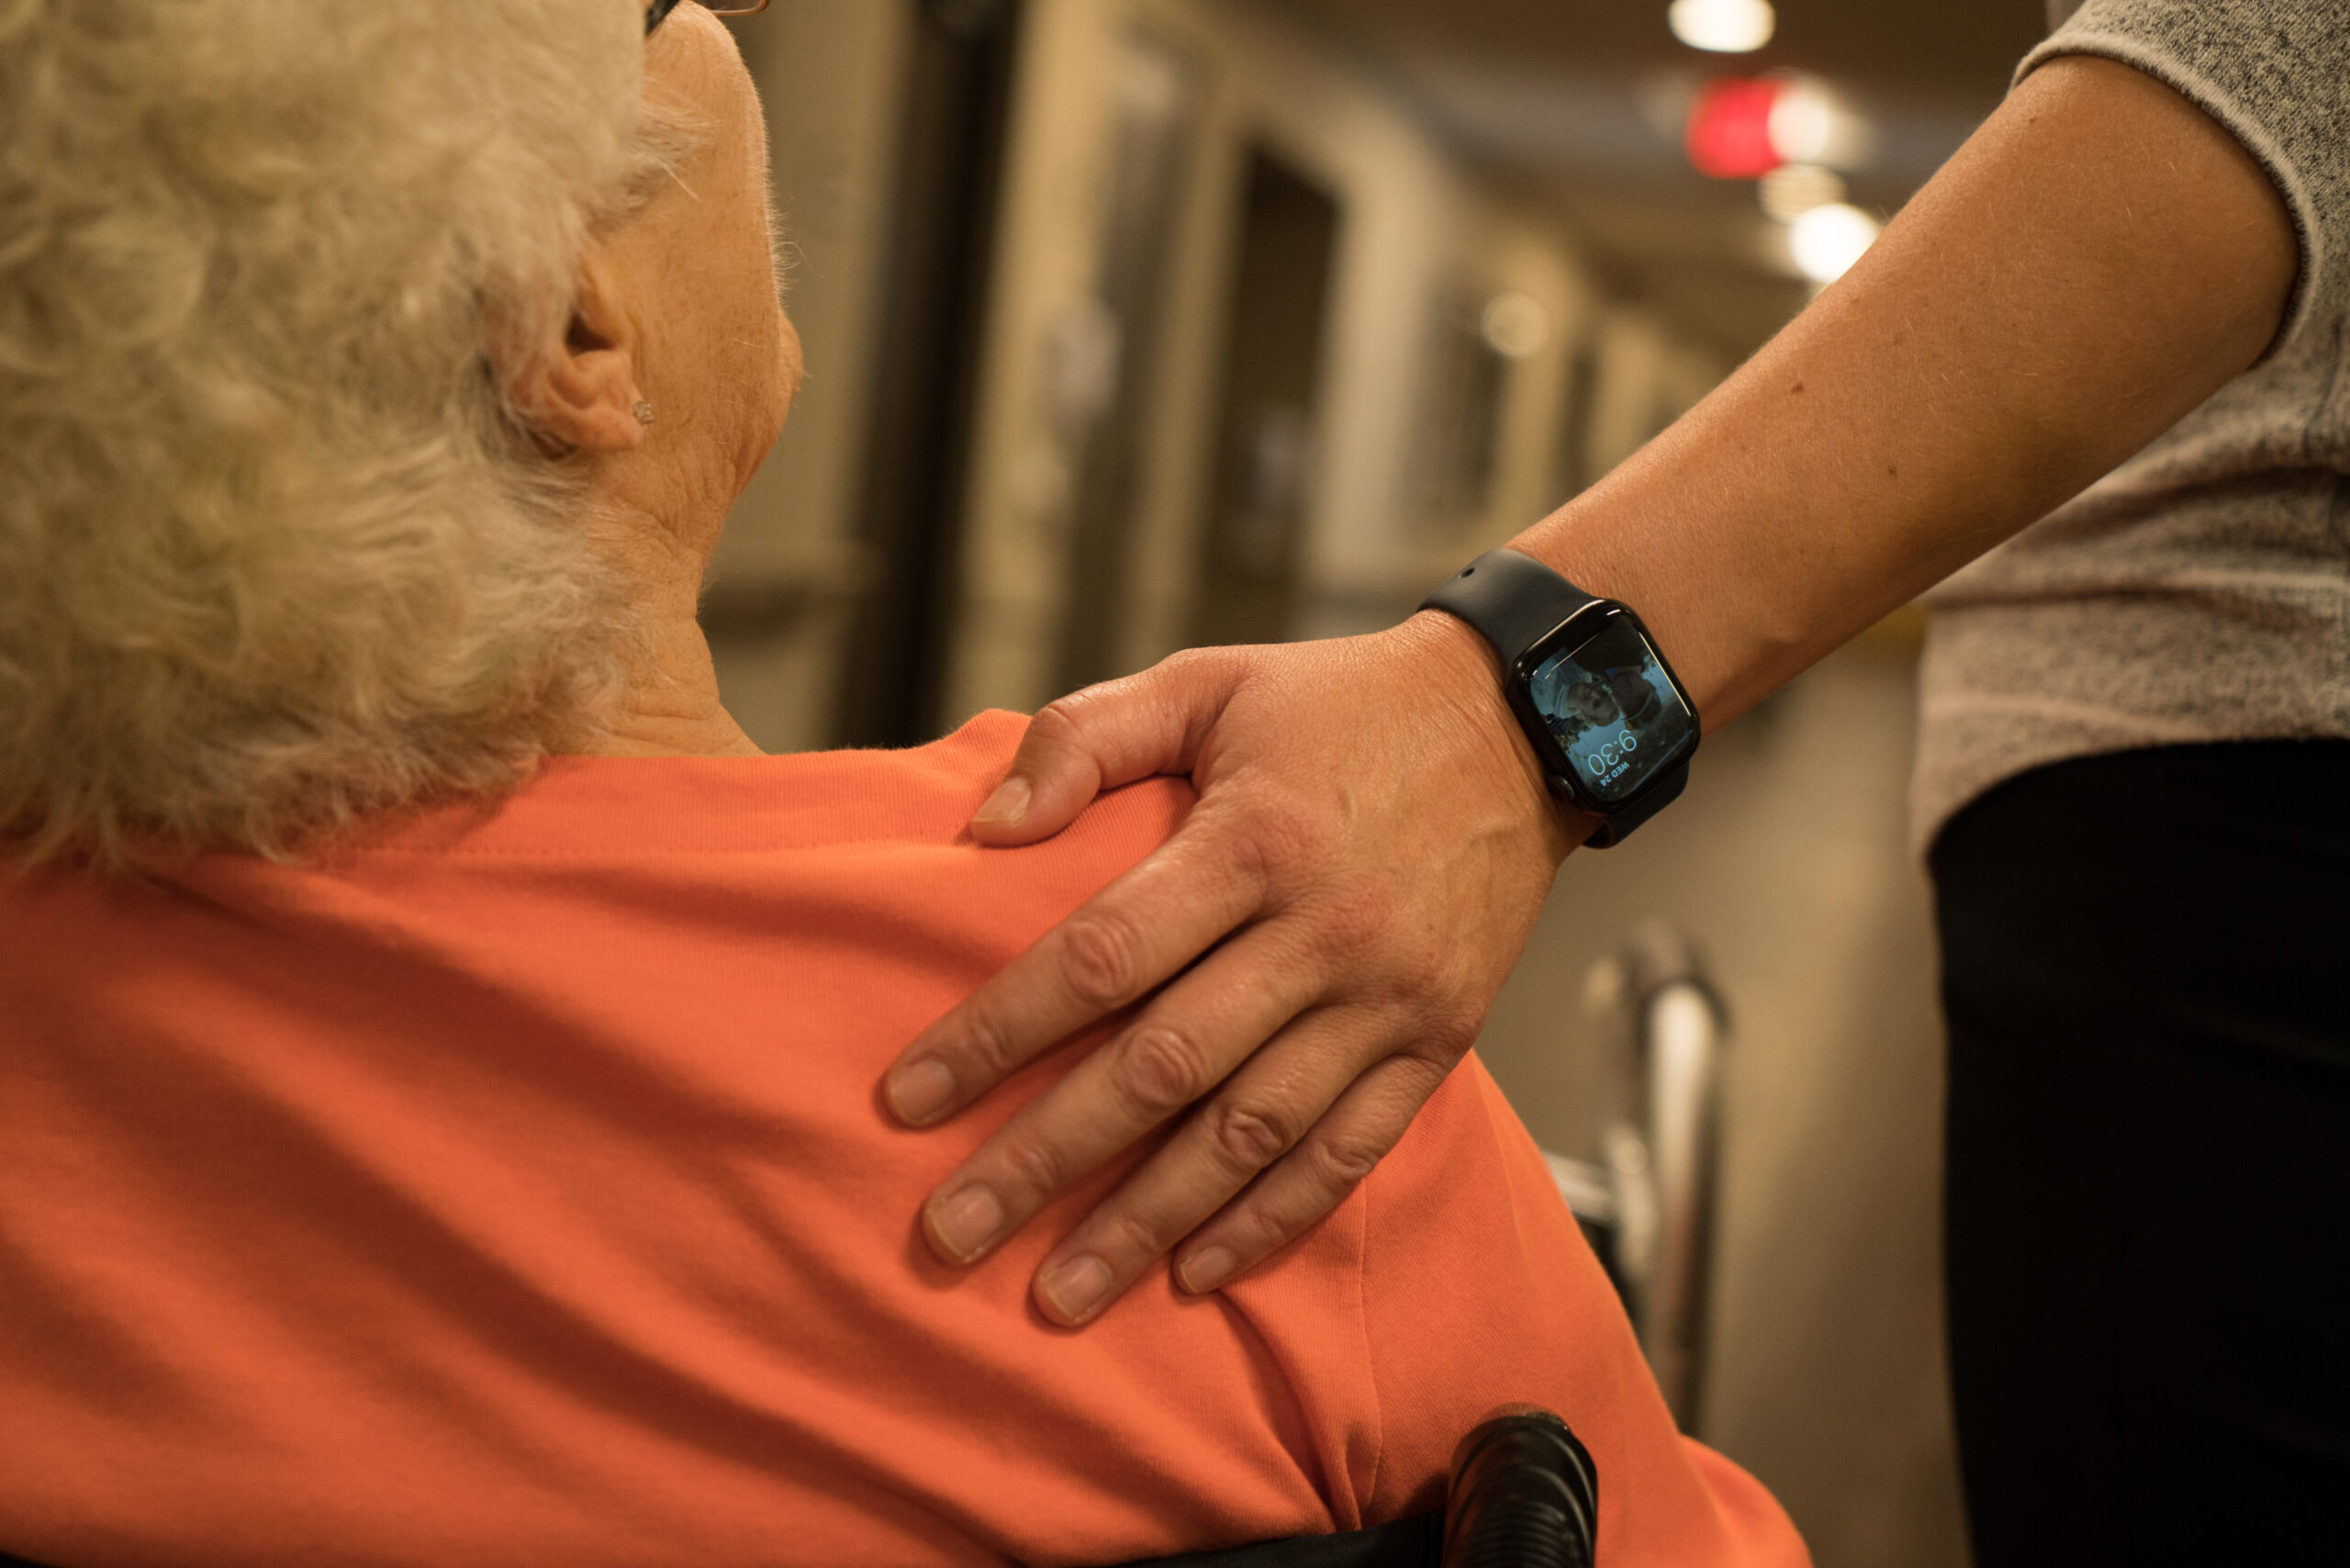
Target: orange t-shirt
[[511, 1187]]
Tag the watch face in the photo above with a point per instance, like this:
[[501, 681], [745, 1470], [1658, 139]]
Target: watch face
[[1615, 713]]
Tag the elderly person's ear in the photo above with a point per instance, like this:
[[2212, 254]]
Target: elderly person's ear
[[582, 391]]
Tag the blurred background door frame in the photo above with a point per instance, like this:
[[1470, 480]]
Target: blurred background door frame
[[956, 99]]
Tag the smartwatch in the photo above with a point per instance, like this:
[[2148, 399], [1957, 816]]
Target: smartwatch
[[1610, 723]]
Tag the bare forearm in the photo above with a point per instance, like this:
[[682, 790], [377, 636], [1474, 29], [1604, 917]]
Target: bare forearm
[[1318, 944], [2098, 260]]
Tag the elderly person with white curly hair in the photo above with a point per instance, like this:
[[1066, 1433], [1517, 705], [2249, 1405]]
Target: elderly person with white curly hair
[[437, 1052]]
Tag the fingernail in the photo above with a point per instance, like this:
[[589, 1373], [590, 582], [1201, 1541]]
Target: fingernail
[[919, 1092], [1206, 1268], [1076, 1287], [1007, 805], [966, 1222]]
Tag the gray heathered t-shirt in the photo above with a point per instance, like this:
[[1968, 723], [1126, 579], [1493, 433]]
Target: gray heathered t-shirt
[[2201, 591]]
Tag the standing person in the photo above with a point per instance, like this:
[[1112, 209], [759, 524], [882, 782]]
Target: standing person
[[2111, 333]]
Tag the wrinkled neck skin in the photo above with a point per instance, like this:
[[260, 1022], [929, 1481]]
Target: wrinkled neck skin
[[661, 522]]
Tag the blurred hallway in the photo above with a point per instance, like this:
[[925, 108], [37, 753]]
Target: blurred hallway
[[1136, 323], [1787, 860]]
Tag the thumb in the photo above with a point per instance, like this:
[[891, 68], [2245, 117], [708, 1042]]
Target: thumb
[[1104, 736]]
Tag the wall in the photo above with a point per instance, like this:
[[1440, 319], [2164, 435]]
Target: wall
[[1415, 226], [1414, 223]]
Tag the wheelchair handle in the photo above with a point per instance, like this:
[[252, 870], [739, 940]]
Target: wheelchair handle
[[1525, 1494]]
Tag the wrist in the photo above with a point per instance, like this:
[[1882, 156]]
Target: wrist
[[1685, 613], [1452, 663], [1611, 726], [1459, 659]]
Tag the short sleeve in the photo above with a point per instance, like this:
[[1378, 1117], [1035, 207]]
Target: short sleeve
[[2276, 73]]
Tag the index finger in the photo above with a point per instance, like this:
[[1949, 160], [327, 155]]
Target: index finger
[[1119, 945]]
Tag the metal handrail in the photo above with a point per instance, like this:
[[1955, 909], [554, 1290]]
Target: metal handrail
[[1649, 1201]]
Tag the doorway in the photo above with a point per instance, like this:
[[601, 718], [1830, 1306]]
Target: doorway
[[1267, 419], [957, 108]]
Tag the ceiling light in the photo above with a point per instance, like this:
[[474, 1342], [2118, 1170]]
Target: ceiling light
[[1514, 326], [1723, 26], [1803, 124], [1793, 189], [1827, 239], [1811, 123]]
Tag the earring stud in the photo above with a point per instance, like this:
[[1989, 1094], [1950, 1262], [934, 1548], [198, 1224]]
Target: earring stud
[[644, 412]]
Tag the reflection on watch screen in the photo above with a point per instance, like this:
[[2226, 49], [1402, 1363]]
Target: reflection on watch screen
[[1613, 710]]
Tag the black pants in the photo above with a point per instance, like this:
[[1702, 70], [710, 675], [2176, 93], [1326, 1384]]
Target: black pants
[[2146, 967]]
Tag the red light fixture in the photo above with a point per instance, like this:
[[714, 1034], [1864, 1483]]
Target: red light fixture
[[1730, 128]]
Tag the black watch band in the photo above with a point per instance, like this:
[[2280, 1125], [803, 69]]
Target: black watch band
[[1514, 602]]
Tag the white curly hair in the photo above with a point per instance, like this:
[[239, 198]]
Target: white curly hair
[[276, 547]]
